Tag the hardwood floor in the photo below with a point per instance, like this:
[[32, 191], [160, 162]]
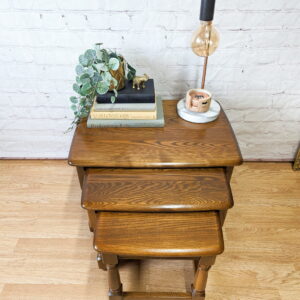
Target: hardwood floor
[[46, 247]]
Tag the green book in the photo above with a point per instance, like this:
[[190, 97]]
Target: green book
[[159, 122]]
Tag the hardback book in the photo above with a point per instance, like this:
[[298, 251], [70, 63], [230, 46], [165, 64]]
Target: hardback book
[[124, 106], [158, 122], [130, 95], [125, 115]]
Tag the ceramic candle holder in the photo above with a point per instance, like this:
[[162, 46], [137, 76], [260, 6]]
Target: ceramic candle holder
[[198, 100]]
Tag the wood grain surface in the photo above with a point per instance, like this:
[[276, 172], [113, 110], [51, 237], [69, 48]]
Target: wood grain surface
[[178, 144], [46, 248], [156, 190], [177, 235]]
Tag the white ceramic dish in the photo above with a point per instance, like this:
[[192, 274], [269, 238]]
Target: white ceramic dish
[[197, 117]]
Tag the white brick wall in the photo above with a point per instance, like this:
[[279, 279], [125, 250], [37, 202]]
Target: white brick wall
[[255, 72]]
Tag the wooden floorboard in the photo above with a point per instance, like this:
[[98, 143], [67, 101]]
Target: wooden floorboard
[[46, 248]]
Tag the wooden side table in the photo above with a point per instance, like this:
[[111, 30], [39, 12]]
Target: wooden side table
[[179, 144], [130, 153]]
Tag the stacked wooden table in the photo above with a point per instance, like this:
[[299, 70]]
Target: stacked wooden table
[[157, 193]]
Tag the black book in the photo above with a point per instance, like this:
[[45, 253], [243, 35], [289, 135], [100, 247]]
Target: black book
[[130, 95]]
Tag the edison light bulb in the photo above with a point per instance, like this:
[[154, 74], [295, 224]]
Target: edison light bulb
[[206, 39]]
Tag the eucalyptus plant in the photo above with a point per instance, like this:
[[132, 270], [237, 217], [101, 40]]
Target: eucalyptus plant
[[94, 76]]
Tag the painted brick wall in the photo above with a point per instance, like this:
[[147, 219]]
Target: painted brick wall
[[254, 74]]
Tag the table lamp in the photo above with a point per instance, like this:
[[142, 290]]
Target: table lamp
[[205, 40], [198, 105]]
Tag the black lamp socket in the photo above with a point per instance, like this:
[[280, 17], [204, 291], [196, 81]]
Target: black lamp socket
[[207, 10]]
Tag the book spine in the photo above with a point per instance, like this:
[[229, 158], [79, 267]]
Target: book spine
[[125, 107], [102, 99], [122, 123], [132, 115]]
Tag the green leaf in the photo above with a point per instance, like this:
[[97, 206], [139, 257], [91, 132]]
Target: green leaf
[[107, 77], [113, 64], [89, 71], [99, 54], [90, 54], [130, 75], [78, 80], [113, 54], [89, 104], [131, 72], [84, 93], [112, 99], [100, 67], [102, 87], [84, 78], [84, 114], [87, 85], [79, 70], [74, 107], [83, 60], [86, 89], [96, 78], [83, 110], [73, 99], [82, 101], [105, 56], [76, 88]]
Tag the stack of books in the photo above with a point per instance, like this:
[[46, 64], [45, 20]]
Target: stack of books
[[132, 108]]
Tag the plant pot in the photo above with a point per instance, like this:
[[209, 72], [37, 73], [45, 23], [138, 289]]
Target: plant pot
[[119, 75], [198, 100]]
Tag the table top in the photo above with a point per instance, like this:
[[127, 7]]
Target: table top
[[156, 190], [179, 144], [189, 234]]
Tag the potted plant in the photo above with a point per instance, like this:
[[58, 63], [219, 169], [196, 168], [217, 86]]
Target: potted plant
[[99, 71]]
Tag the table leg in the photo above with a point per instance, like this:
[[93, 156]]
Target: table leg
[[92, 219], [100, 262], [228, 171], [91, 214], [198, 288], [223, 213], [114, 282], [80, 174]]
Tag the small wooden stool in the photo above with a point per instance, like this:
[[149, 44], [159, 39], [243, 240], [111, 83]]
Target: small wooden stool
[[181, 235]]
